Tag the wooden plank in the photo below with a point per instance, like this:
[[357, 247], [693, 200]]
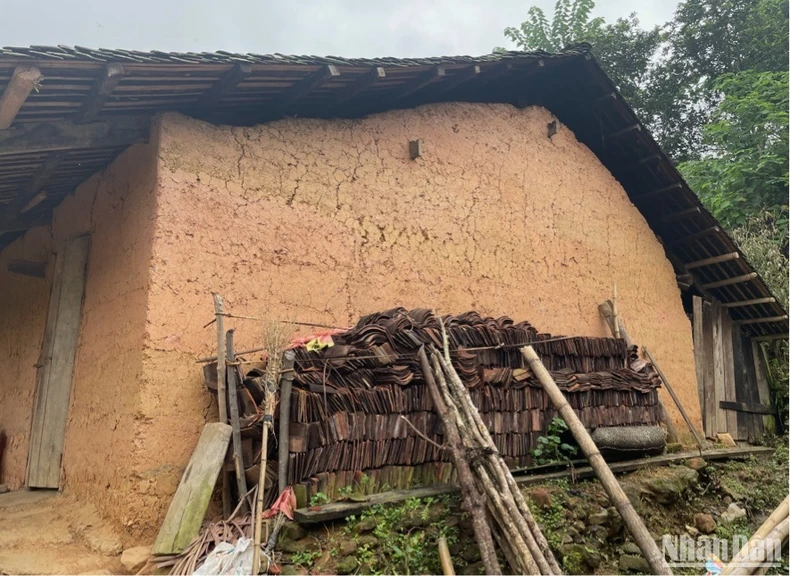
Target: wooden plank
[[624, 131], [22, 83], [682, 214], [27, 268], [46, 453], [752, 396], [338, 510], [761, 377], [190, 502], [53, 136], [284, 441], [718, 369], [748, 408], [658, 191], [302, 88], [729, 368], [771, 337], [699, 356], [708, 320], [460, 77], [713, 260], [112, 74], [233, 409]]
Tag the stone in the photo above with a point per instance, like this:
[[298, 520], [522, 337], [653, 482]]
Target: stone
[[368, 540], [474, 569], [674, 448], [696, 464], [580, 559], [294, 570], [630, 548], [104, 542], [615, 522], [727, 500], [634, 563], [705, 523], [634, 493], [3, 488], [135, 558], [691, 531], [366, 524], [347, 565], [292, 531], [726, 440], [732, 514], [541, 497], [295, 546], [346, 548], [598, 517], [668, 484]]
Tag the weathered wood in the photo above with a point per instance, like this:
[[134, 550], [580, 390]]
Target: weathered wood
[[675, 399], [37, 199], [754, 301], [53, 136], [56, 365], [699, 358], [222, 395], [659, 191], [631, 519], [729, 367], [338, 510], [460, 77], [233, 405], [781, 318], [286, 384], [718, 370], [190, 502], [302, 88], [748, 408], [224, 85], [23, 81], [418, 83], [709, 318], [713, 260], [23, 200], [692, 237], [623, 131], [730, 281], [27, 268], [112, 74], [771, 337], [681, 214], [761, 376], [363, 83]]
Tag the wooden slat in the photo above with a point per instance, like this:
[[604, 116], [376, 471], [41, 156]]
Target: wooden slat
[[752, 302], [460, 77], [224, 85], [713, 260], [693, 237], [624, 131], [761, 377], [302, 88], [22, 83], [190, 502], [708, 319], [111, 76], [730, 281], [56, 366], [25, 197], [702, 369], [748, 408], [719, 369], [727, 335], [365, 81], [418, 83]]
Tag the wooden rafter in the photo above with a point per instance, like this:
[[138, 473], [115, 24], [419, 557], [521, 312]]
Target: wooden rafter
[[767, 320], [22, 83], [111, 76], [418, 83], [22, 201], [302, 88], [728, 281], [682, 214], [752, 302], [365, 81], [693, 237], [460, 77], [659, 191], [224, 85], [713, 260]]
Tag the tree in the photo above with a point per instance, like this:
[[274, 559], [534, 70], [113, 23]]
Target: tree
[[571, 24]]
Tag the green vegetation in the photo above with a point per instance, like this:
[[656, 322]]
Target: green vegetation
[[551, 448], [305, 558], [319, 498]]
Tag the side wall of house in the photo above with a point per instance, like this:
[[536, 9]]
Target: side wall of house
[[117, 208], [324, 221]]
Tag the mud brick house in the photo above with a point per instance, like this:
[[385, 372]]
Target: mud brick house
[[321, 189]]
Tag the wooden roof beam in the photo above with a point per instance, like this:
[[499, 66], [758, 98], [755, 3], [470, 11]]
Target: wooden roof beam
[[418, 83], [771, 337], [365, 81], [227, 83], [54, 136], [728, 281], [624, 131], [713, 260], [24, 200], [303, 87], [681, 215], [23, 224], [781, 318], [111, 76], [693, 237], [22, 83], [659, 191], [460, 77], [753, 302]]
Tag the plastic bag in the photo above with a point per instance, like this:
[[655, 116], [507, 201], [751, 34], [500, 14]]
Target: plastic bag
[[227, 559]]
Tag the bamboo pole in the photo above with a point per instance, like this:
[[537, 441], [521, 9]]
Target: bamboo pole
[[285, 426], [444, 557], [222, 398], [675, 399], [472, 501], [233, 408], [762, 532], [631, 519], [287, 374]]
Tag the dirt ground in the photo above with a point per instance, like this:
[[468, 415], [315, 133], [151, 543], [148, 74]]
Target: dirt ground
[[43, 532]]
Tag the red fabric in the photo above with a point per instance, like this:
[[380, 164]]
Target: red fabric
[[285, 503]]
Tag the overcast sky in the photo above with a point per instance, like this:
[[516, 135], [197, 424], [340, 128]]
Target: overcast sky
[[330, 27]]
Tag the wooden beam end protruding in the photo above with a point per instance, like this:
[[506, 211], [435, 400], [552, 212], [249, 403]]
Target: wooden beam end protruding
[[419, 82], [23, 81], [363, 83], [111, 76], [713, 260], [227, 83], [728, 281]]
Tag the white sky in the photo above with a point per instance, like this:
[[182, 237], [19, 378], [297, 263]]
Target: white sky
[[348, 28]]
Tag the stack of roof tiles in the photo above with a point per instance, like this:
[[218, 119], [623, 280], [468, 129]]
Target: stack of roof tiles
[[349, 400]]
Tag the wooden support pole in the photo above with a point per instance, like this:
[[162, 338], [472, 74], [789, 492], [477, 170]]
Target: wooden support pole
[[682, 214], [658, 191], [605, 99], [729, 281], [675, 399], [754, 301], [762, 532], [23, 81], [227, 83], [631, 519], [418, 83], [761, 320], [112, 75], [460, 77], [286, 383], [713, 260], [233, 409], [693, 237], [626, 130], [363, 83], [770, 337], [445, 558], [222, 399]]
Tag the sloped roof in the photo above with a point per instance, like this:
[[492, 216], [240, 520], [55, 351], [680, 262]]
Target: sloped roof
[[91, 104]]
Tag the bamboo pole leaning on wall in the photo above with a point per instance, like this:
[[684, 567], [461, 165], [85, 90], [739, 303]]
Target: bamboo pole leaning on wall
[[233, 409], [222, 399], [631, 519]]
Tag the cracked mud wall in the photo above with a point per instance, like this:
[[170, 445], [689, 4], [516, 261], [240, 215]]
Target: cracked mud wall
[[101, 460], [324, 221]]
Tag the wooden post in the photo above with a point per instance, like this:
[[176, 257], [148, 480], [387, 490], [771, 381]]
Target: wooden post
[[286, 374], [286, 382], [222, 399], [631, 519], [446, 559], [694, 432], [233, 405]]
